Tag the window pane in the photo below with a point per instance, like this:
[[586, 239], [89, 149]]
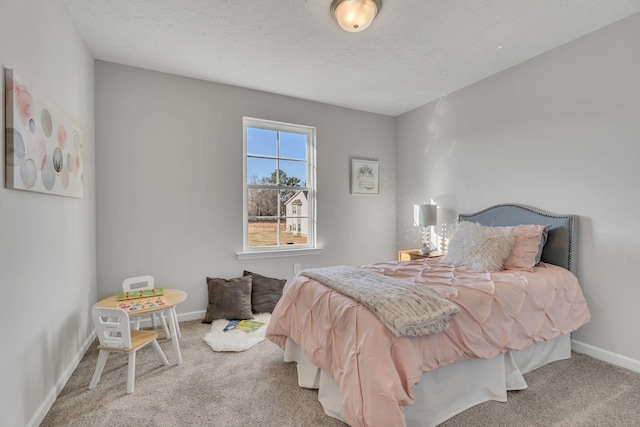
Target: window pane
[[262, 142], [295, 231], [262, 202], [295, 173], [262, 232], [261, 171], [293, 145]]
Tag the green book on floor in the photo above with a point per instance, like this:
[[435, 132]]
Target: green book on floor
[[249, 325]]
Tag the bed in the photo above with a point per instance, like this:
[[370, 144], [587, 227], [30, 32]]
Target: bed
[[510, 322]]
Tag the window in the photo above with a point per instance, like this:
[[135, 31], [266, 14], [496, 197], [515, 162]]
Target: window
[[279, 186]]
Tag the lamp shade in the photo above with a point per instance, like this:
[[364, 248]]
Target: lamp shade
[[355, 15], [425, 215]]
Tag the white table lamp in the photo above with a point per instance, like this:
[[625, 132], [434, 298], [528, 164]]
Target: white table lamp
[[425, 216]]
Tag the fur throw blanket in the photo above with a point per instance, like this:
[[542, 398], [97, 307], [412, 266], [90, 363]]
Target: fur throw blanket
[[407, 309]]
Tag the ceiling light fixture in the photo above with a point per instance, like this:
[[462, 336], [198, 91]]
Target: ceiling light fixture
[[355, 15]]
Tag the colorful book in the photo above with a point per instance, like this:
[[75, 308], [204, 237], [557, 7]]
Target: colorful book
[[155, 292], [142, 304], [249, 325], [231, 325]]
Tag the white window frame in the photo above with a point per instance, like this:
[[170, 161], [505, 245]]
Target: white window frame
[[311, 247]]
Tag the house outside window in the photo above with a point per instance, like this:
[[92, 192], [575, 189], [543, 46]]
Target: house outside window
[[296, 211], [279, 186]]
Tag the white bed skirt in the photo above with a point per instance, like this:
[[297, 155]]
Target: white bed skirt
[[446, 391]]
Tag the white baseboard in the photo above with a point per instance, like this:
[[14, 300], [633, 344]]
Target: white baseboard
[[605, 355], [193, 315], [51, 397]]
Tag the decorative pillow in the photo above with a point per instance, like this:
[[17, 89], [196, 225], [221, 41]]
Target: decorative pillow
[[478, 247], [543, 241], [265, 292], [527, 249], [229, 299]]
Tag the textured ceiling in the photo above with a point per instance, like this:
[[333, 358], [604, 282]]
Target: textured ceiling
[[414, 52]]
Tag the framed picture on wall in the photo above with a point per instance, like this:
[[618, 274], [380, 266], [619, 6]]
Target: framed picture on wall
[[365, 177]]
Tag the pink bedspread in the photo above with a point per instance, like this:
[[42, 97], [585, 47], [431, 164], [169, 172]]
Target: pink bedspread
[[500, 311]]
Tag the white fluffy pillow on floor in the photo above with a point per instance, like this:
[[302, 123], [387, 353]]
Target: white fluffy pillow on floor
[[478, 247], [235, 340]]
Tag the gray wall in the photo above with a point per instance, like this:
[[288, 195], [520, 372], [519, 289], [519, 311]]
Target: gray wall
[[169, 181], [47, 243], [560, 132]]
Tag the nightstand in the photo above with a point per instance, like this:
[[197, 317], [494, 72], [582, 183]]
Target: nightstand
[[414, 254]]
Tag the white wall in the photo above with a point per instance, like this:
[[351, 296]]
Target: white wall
[[169, 181], [47, 243], [560, 132]]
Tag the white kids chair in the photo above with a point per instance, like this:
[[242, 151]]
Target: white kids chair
[[114, 334], [142, 283]]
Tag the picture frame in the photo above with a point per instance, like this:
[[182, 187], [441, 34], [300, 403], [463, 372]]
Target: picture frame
[[365, 177]]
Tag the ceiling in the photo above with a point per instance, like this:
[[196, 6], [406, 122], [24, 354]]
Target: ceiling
[[415, 51]]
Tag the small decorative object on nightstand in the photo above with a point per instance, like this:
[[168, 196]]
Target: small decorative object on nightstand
[[446, 230], [414, 254]]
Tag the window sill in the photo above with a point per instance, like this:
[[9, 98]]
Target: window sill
[[281, 253]]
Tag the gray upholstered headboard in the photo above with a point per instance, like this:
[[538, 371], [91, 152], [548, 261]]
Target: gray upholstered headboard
[[563, 235]]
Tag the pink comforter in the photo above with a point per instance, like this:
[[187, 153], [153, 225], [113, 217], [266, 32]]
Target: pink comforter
[[500, 311]]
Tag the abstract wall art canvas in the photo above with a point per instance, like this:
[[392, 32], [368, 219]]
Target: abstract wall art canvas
[[43, 147]]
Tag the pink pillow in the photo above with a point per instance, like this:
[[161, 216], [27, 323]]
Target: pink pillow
[[525, 249]]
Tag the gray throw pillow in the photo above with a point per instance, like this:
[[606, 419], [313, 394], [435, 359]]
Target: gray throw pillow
[[229, 299], [543, 241], [265, 292]]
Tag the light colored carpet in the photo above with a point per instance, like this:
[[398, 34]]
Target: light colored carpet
[[256, 388]]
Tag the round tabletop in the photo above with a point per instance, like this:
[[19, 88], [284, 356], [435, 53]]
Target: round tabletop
[[172, 297]]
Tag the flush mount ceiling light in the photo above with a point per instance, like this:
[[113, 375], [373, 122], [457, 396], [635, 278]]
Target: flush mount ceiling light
[[355, 15]]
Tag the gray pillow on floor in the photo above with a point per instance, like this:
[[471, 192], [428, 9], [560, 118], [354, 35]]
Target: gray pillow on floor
[[265, 292], [229, 299]]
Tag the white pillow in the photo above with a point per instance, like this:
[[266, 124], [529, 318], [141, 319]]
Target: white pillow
[[478, 247]]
